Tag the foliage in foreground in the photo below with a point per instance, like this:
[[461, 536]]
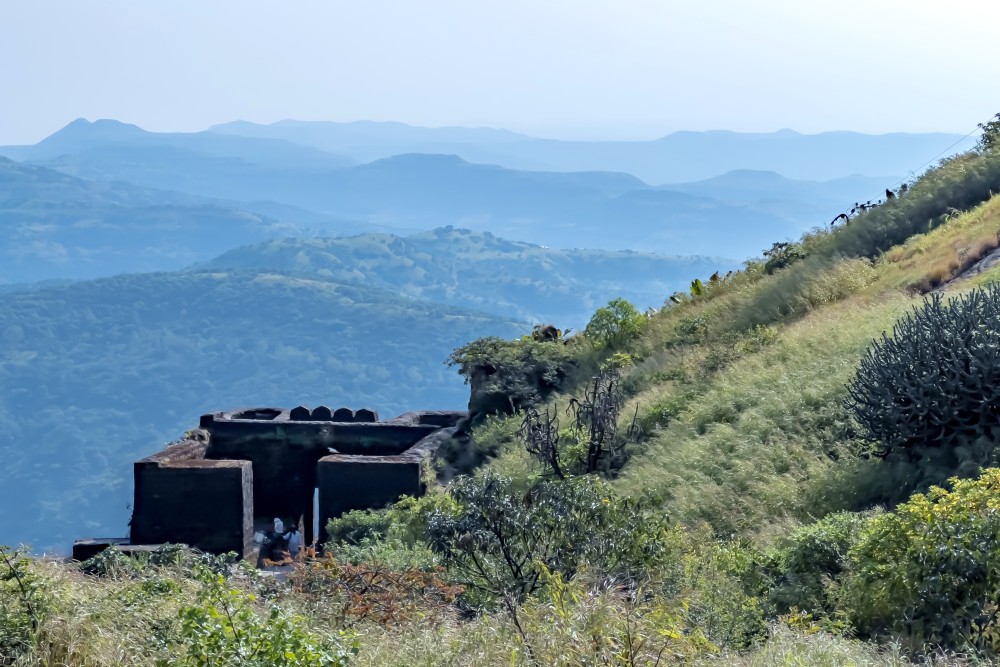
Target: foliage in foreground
[[224, 626], [930, 570]]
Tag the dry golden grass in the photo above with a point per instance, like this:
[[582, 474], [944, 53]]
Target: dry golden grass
[[928, 261]]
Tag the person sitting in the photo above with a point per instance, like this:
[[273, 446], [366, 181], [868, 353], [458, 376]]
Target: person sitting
[[294, 540]]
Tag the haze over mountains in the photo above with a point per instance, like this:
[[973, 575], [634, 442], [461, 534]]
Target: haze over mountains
[[313, 191], [340, 264], [681, 156], [97, 373]]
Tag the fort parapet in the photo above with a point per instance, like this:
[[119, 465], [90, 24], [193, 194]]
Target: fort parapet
[[241, 469]]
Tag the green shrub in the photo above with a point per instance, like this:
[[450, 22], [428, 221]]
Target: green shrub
[[781, 254], [930, 570], [501, 540], [615, 324], [114, 564], [990, 138], [805, 570], [24, 605], [932, 384], [395, 536], [505, 376], [228, 626]]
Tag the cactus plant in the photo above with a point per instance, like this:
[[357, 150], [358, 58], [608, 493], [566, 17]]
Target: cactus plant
[[935, 383]]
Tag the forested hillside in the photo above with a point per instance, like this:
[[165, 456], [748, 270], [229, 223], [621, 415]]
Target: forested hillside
[[479, 270], [97, 374]]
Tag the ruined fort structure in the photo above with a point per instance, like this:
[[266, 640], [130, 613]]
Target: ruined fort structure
[[239, 470]]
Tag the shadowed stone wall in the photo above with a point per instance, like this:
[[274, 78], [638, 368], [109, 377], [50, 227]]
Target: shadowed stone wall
[[182, 497], [261, 463]]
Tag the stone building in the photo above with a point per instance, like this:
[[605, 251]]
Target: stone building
[[239, 470]]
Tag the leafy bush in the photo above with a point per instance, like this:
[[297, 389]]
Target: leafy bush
[[805, 569], [781, 254], [931, 569], [934, 383], [405, 520], [502, 540], [112, 563], [990, 138], [23, 605], [226, 626], [505, 376], [615, 324]]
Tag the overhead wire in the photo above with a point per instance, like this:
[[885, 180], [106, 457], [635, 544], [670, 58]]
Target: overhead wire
[[913, 173]]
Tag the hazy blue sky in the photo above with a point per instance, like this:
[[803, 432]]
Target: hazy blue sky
[[565, 68]]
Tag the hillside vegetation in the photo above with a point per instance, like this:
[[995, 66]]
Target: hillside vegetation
[[693, 486], [479, 270]]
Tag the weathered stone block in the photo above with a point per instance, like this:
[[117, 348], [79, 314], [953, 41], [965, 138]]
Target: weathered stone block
[[364, 482], [205, 504]]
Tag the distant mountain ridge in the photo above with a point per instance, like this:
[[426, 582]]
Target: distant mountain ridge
[[733, 214], [82, 135], [677, 157]]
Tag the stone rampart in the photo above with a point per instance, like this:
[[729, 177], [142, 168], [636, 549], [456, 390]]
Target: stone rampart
[[254, 464], [182, 497]]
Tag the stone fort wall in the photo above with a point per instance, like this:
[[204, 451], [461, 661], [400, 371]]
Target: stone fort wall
[[240, 469]]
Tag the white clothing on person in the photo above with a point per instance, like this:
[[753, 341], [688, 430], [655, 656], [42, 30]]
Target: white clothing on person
[[294, 539]]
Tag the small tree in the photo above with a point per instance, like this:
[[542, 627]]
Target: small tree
[[615, 325], [990, 138], [501, 541]]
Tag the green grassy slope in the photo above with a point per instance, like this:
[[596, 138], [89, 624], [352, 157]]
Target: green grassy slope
[[749, 430]]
